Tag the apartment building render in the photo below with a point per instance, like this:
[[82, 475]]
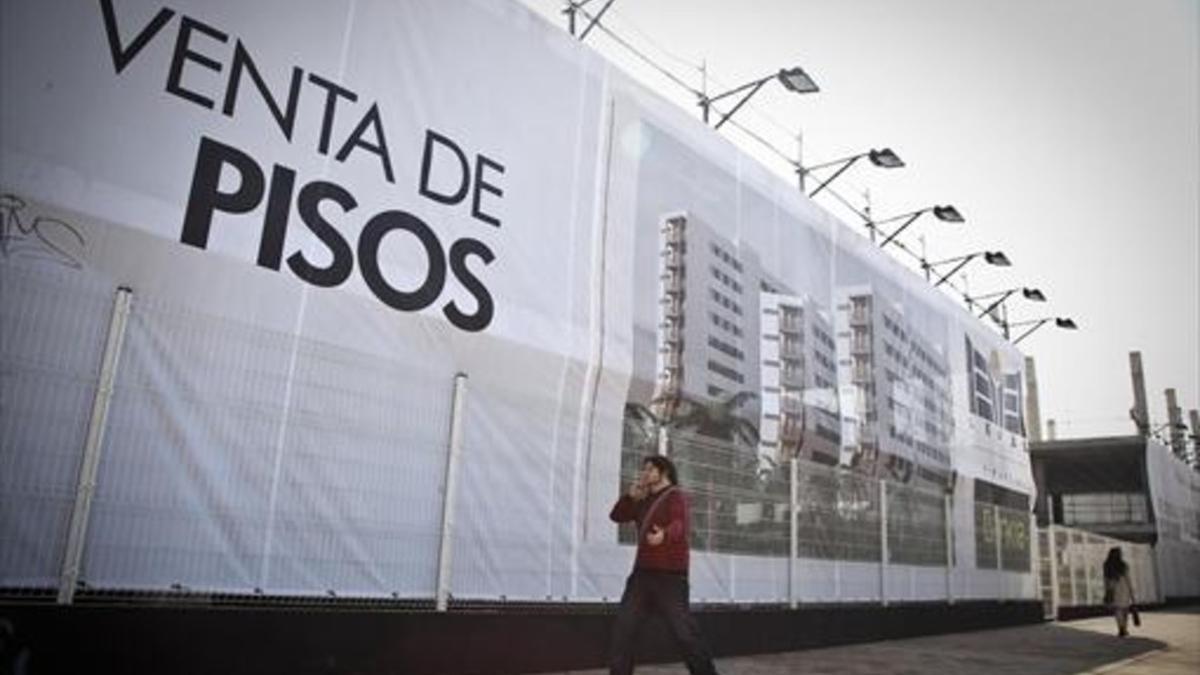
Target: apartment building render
[[727, 331], [894, 385], [707, 333], [799, 379]]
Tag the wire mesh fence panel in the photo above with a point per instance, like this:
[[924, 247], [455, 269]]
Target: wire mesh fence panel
[[1045, 571], [52, 332], [1096, 548], [184, 481], [1143, 574], [358, 506], [536, 477], [508, 543], [247, 460], [1015, 540], [839, 515], [1080, 558], [737, 508], [985, 536], [916, 526], [733, 508], [1062, 553]]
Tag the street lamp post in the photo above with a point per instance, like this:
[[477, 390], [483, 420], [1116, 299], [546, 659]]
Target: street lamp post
[[945, 213], [575, 7], [792, 79], [1033, 294], [1061, 322], [991, 257], [570, 11], [884, 158], [1157, 431]]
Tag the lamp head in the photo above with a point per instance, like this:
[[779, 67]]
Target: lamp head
[[997, 258], [948, 214], [1033, 294], [795, 79], [885, 158], [1064, 322]]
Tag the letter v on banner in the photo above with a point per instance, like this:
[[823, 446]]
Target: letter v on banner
[[123, 56]]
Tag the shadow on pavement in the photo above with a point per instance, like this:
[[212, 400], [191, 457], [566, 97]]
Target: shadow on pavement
[[1046, 649], [1039, 650]]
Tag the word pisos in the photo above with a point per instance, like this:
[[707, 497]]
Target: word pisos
[[201, 46]]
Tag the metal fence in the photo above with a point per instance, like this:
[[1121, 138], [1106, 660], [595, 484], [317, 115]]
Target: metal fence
[[147, 448], [1071, 568], [843, 520], [840, 514]]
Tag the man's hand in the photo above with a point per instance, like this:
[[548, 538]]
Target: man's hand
[[655, 536], [637, 491]]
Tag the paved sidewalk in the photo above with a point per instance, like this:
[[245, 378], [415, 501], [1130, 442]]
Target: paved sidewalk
[[1168, 643]]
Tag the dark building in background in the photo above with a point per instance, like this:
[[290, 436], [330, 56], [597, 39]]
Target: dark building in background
[[1095, 484]]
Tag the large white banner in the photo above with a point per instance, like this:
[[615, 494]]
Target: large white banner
[[1175, 490], [326, 211]]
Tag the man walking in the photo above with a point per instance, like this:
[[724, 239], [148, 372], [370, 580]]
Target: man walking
[[659, 581]]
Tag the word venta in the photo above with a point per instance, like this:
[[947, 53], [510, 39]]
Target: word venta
[[194, 45]]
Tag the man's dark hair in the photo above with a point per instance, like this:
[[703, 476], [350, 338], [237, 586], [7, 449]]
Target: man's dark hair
[[664, 466]]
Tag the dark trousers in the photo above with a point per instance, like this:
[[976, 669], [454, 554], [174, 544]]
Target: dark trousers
[[666, 595]]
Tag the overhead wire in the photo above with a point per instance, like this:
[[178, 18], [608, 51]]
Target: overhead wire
[[636, 52], [757, 110]]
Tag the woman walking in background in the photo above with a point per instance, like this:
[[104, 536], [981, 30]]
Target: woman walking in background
[[1118, 591]]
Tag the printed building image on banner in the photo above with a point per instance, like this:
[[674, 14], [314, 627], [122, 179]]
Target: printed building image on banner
[[896, 401], [734, 364], [707, 386], [800, 380], [757, 338], [747, 354], [899, 381]]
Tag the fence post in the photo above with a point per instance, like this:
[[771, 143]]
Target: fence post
[[999, 552], [1088, 556], [1150, 554], [883, 542], [1071, 567], [446, 553], [837, 579], [794, 549], [949, 523], [1034, 555], [1052, 544], [90, 464]]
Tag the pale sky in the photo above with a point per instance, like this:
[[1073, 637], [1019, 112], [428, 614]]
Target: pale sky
[[1067, 132]]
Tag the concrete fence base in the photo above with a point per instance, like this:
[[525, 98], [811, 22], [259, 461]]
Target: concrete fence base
[[156, 639]]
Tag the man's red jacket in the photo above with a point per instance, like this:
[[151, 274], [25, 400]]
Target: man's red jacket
[[671, 515]]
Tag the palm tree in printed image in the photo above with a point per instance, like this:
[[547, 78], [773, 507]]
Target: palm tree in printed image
[[717, 451], [651, 425], [792, 432], [646, 430], [720, 420], [648, 427], [818, 491], [719, 423]]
